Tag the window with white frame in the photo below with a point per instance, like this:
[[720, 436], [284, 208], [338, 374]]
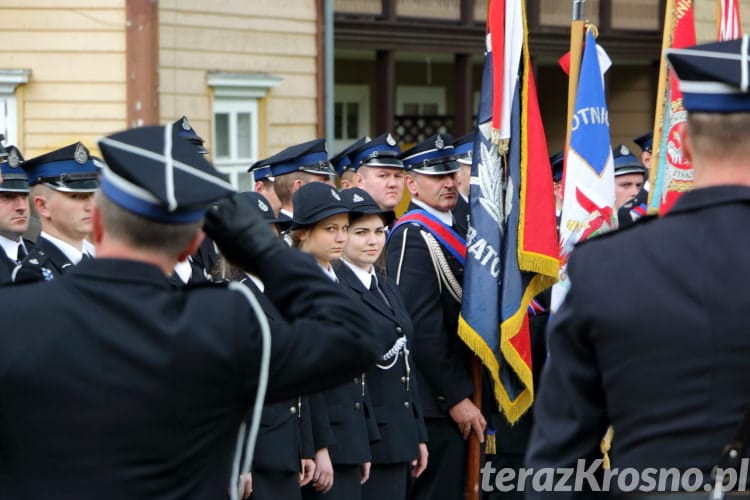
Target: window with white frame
[[351, 114], [10, 79], [235, 122]]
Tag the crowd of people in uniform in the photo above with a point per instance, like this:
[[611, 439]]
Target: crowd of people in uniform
[[368, 438], [309, 316]]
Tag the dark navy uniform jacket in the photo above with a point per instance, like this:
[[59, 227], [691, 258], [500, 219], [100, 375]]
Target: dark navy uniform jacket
[[7, 265], [279, 444], [441, 358], [115, 384], [43, 263], [654, 339], [396, 402]]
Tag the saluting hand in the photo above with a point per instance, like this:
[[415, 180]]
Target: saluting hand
[[307, 469], [468, 418]]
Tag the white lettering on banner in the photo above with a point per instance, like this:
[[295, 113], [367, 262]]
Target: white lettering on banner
[[483, 252], [597, 115]]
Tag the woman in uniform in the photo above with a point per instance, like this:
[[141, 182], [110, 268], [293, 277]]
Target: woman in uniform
[[402, 447], [342, 425]]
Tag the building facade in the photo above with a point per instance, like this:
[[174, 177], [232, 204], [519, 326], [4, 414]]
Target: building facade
[[250, 76]]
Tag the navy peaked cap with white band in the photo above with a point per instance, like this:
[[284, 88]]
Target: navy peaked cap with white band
[[434, 156], [68, 169], [382, 151], [183, 128], [714, 77], [153, 173], [463, 148], [14, 178], [342, 160], [310, 157], [626, 162]]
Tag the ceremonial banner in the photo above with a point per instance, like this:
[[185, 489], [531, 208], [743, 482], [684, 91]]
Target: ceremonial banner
[[671, 174], [589, 182], [512, 251], [729, 23]]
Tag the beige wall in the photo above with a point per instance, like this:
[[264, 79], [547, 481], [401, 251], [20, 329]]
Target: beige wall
[[75, 50], [259, 36]]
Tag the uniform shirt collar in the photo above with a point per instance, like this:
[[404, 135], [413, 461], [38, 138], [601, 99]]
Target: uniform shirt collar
[[183, 270], [444, 217], [330, 273], [73, 254], [10, 247], [286, 212], [364, 276]]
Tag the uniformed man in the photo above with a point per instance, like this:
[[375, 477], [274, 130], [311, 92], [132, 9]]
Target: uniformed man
[[629, 175], [645, 142], [116, 385], [556, 163], [427, 268], [463, 149], [294, 167], [630, 197], [664, 364], [342, 163], [379, 170], [14, 212], [182, 128], [197, 268], [62, 184], [262, 182]]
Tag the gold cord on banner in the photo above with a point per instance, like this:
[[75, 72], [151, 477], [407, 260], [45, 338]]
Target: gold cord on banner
[[605, 446]]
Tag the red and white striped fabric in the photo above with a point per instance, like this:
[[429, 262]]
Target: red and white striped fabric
[[730, 26]]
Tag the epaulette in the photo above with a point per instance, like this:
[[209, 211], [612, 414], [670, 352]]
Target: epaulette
[[646, 219]]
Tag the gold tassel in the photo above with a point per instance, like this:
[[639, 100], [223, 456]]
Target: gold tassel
[[605, 446], [490, 445]]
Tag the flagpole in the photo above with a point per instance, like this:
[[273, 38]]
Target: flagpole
[[577, 27], [661, 97]]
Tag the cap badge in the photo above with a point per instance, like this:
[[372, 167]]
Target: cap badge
[[390, 140], [624, 150], [439, 143], [357, 198], [335, 194], [185, 123], [262, 206], [81, 155], [13, 159]]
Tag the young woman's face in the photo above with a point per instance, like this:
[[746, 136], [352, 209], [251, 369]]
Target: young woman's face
[[326, 239], [366, 241]]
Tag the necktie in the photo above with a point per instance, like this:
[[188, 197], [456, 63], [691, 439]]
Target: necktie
[[375, 288], [21, 252], [85, 256]]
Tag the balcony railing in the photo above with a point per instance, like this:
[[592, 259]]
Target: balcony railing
[[412, 129]]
